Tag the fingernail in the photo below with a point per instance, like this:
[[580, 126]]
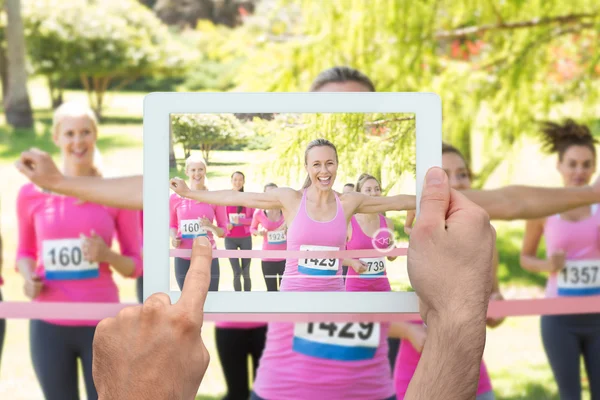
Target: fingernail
[[435, 176]]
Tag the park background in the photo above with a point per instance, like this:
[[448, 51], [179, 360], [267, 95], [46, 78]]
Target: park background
[[499, 67]]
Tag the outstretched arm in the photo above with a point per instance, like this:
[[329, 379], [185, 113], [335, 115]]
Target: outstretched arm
[[528, 202], [370, 204], [126, 192], [266, 200]]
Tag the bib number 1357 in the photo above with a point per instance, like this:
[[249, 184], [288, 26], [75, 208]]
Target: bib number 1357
[[337, 341], [579, 278]]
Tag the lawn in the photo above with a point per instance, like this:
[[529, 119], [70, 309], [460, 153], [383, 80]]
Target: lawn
[[514, 354]]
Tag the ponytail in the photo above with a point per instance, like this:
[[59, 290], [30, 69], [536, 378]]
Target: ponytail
[[307, 182]]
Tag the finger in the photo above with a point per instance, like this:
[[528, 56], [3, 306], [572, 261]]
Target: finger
[[408, 223], [24, 167], [155, 304], [197, 280], [435, 200]]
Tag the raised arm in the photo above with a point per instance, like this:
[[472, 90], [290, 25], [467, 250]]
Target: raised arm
[[272, 199], [371, 204], [528, 202], [125, 192]]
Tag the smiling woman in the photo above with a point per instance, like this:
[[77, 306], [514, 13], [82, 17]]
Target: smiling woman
[[64, 255]]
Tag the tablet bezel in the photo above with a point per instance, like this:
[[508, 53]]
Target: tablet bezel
[[158, 107]]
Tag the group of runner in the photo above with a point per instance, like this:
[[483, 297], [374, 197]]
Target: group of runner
[[68, 258]]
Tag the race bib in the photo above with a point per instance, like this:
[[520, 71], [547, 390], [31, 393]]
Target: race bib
[[240, 216], [579, 278], [63, 260], [375, 266], [337, 341], [315, 266], [190, 229], [276, 237]]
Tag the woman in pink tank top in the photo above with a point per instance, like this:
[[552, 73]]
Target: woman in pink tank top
[[572, 262], [298, 362], [414, 333], [372, 231]]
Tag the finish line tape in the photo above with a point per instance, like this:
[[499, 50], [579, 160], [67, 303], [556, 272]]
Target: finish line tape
[[497, 309], [398, 251]]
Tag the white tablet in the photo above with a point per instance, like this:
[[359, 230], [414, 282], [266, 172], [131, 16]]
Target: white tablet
[[374, 133]]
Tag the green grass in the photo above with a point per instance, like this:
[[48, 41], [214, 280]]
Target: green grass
[[15, 141]]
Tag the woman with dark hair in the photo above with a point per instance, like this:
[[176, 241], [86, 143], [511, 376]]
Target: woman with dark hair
[[271, 226], [414, 333], [238, 235], [572, 262]]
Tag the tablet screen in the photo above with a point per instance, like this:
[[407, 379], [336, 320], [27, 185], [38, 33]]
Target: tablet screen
[[304, 241]]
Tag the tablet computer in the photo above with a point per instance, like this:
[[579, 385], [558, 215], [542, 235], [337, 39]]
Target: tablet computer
[[395, 137]]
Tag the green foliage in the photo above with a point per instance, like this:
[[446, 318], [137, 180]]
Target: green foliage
[[496, 77], [364, 142], [100, 43], [207, 132]]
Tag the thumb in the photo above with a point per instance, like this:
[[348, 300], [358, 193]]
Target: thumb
[[435, 200], [93, 233]]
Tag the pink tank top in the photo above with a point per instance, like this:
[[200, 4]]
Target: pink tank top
[[406, 366], [305, 233], [321, 360], [375, 279], [579, 241]]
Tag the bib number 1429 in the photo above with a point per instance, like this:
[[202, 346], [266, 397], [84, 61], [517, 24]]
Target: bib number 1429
[[337, 341], [318, 266]]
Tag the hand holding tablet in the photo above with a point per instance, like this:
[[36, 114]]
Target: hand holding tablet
[[156, 350]]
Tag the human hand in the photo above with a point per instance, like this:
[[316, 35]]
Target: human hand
[[94, 248], [39, 168], [556, 262], [450, 254], [410, 219], [416, 336], [179, 186], [33, 286], [495, 322], [155, 350], [358, 266]]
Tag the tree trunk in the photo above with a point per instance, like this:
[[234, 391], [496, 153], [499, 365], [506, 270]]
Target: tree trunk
[[3, 71], [172, 159], [16, 103]]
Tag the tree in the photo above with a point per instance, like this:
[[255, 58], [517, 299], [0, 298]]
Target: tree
[[186, 13], [490, 62], [382, 145], [105, 44], [207, 132], [16, 102]]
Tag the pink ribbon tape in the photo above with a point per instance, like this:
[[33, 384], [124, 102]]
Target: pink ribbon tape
[[399, 251], [497, 309]]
